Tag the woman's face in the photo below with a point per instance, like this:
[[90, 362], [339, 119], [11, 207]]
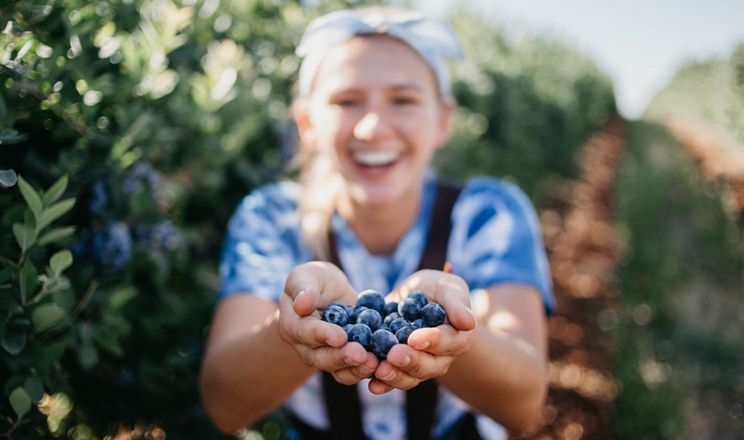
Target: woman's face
[[376, 112]]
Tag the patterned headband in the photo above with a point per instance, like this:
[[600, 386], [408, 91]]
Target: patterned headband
[[433, 40]]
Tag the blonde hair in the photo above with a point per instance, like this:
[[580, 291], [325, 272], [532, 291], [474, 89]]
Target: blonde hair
[[319, 187]]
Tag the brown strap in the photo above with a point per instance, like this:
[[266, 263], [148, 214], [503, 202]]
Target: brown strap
[[342, 401]]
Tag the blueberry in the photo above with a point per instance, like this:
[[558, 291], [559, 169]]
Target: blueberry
[[397, 324], [432, 314], [113, 245], [371, 299], [360, 333], [390, 318], [418, 323], [349, 309], [389, 308], [409, 309], [335, 314], [382, 341], [420, 298], [371, 318], [355, 311], [403, 333]]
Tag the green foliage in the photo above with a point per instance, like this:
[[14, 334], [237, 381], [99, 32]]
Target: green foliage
[[160, 115], [37, 311], [526, 107], [130, 130], [682, 276], [710, 92]]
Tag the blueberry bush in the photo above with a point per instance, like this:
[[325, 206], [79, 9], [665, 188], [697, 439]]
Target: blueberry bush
[[130, 129]]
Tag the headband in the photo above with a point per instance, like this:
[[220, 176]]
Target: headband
[[433, 40]]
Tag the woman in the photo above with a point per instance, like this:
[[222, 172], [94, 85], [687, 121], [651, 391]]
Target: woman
[[374, 105]]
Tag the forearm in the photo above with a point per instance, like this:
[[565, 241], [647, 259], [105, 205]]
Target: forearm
[[503, 374], [245, 378], [502, 377]]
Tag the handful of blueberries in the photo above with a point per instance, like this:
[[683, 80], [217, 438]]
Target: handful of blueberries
[[378, 325]]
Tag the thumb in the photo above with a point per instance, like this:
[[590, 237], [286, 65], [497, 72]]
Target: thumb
[[314, 285]]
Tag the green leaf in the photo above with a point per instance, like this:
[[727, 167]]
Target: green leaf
[[60, 261], [121, 297], [55, 191], [5, 275], [24, 235], [13, 342], [28, 281], [55, 234], [64, 297], [20, 401], [8, 303], [53, 212], [34, 388], [33, 200], [46, 316], [8, 178], [88, 357]]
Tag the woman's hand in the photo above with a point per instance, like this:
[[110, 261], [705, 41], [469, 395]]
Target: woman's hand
[[310, 287], [429, 351]]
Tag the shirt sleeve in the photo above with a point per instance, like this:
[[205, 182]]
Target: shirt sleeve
[[496, 238], [260, 246]]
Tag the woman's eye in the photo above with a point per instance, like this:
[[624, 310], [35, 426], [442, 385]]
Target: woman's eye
[[403, 100], [345, 102]]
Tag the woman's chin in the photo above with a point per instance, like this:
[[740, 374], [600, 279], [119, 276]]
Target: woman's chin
[[377, 194]]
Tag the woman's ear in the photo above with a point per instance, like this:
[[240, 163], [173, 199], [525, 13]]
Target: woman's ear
[[447, 108], [303, 121]]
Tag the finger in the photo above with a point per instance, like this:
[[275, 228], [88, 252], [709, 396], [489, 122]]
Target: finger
[[443, 340], [406, 368], [307, 330], [316, 284], [378, 387], [393, 377], [448, 290], [355, 374], [335, 359]]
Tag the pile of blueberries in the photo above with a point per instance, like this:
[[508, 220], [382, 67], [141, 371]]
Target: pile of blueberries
[[378, 325]]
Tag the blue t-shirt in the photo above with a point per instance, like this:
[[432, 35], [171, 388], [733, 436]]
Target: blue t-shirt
[[495, 238]]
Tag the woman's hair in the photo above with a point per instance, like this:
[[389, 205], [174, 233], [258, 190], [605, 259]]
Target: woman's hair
[[433, 40]]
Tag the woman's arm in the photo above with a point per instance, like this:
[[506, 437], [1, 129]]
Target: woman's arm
[[503, 375], [243, 345], [258, 353], [497, 366]]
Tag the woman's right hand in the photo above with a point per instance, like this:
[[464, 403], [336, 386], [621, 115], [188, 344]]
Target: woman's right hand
[[309, 288]]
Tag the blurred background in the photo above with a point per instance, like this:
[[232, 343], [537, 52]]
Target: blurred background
[[130, 130]]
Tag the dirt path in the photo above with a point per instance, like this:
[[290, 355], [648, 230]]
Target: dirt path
[[583, 252], [718, 159]]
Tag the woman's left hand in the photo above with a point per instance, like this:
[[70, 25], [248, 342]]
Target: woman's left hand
[[429, 351]]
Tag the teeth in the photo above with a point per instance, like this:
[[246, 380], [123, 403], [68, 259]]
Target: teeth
[[375, 158]]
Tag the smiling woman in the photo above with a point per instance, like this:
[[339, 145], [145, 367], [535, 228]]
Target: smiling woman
[[368, 212]]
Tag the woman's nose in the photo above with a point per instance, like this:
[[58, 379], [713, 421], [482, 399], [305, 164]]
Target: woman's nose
[[371, 125]]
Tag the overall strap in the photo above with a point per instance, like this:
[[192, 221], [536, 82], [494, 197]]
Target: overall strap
[[342, 401]]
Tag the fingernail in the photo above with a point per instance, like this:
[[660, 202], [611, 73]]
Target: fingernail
[[423, 345], [406, 361], [299, 295]]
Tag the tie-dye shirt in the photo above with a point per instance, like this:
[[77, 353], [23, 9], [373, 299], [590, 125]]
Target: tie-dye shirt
[[495, 238]]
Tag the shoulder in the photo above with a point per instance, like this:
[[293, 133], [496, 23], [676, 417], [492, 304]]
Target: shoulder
[[493, 195], [276, 195], [270, 202]]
